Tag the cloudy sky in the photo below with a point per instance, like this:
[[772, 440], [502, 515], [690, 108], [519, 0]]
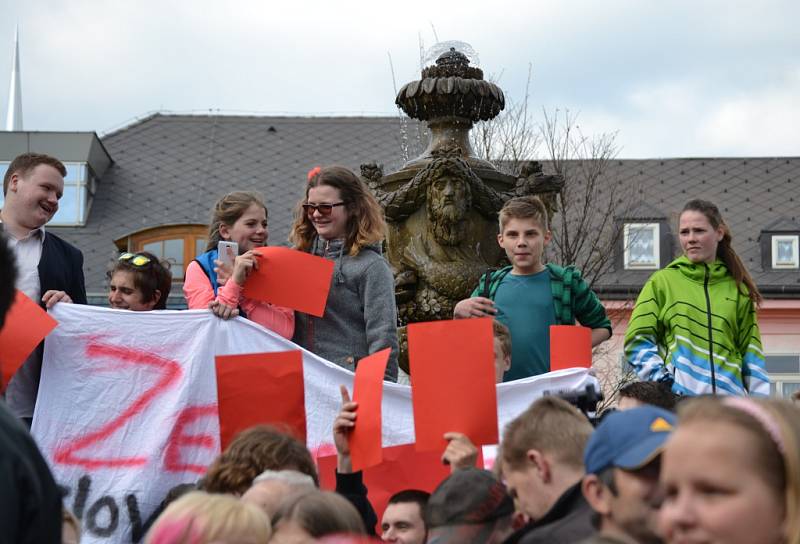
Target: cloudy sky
[[672, 79]]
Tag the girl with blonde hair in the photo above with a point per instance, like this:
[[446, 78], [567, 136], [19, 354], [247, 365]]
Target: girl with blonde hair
[[340, 220], [202, 518], [731, 472], [239, 217]]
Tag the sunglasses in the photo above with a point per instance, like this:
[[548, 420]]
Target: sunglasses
[[324, 209], [136, 259]]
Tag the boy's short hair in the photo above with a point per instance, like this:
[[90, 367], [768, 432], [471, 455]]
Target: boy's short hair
[[416, 496], [502, 333], [26, 162], [654, 393], [524, 207], [549, 425]]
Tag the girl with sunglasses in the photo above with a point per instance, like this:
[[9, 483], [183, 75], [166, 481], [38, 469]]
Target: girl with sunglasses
[[139, 282], [239, 217], [340, 220]]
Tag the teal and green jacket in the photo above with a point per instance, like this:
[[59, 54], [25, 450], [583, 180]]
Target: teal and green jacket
[[687, 315], [572, 297]]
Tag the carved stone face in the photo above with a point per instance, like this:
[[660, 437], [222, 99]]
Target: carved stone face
[[448, 201]]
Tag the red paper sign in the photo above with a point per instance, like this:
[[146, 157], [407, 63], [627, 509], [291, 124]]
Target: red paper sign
[[365, 441], [570, 347], [402, 468], [258, 388], [26, 325], [453, 381], [290, 278]]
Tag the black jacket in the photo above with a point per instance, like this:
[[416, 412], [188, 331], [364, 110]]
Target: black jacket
[[61, 268], [30, 502], [567, 522], [351, 487]]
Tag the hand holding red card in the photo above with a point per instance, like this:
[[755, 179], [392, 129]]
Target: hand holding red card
[[366, 448], [26, 325], [453, 381], [260, 388], [570, 346], [290, 278]]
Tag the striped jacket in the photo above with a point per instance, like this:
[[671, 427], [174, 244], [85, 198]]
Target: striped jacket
[[687, 315]]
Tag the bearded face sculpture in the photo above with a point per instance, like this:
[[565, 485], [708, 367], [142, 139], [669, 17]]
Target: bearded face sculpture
[[448, 201]]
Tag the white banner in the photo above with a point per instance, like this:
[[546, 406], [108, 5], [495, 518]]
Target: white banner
[[127, 406]]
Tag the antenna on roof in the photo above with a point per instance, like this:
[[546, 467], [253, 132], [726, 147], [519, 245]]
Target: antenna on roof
[[14, 115]]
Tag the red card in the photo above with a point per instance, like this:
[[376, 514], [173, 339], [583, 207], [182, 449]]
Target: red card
[[291, 278], [26, 325], [570, 346], [366, 447], [258, 388], [402, 468], [452, 384]]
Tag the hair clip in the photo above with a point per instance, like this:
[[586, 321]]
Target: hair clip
[[314, 172]]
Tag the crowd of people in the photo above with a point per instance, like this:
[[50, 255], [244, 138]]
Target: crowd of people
[[725, 468]]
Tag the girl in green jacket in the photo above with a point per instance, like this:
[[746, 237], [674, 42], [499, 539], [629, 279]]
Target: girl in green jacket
[[694, 325]]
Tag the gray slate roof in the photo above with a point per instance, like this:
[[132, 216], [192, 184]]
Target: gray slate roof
[[753, 194], [169, 169]]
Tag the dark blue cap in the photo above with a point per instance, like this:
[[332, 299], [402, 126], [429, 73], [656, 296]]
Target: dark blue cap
[[628, 439]]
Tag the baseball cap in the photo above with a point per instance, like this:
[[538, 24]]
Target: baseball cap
[[469, 496], [628, 439]]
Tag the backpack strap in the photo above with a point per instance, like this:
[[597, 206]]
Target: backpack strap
[[567, 297], [206, 262], [486, 283]]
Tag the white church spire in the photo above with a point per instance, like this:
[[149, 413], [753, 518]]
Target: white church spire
[[14, 115]]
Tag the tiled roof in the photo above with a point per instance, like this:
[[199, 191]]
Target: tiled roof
[[753, 194], [170, 169]]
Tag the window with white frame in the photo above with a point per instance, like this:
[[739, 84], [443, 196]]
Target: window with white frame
[[785, 251], [784, 373], [641, 246]]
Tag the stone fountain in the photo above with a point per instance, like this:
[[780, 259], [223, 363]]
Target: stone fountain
[[441, 207]]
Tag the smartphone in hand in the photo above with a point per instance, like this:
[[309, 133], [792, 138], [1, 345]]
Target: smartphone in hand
[[227, 253]]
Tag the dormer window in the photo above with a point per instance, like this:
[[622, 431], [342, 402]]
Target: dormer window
[[785, 251], [642, 248]]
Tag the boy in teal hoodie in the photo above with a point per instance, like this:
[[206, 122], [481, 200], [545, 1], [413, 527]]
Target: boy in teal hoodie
[[529, 296]]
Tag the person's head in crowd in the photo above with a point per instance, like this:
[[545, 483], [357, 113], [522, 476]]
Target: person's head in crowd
[[470, 507], [32, 187], [241, 217], [139, 282], [642, 393], [524, 233], [796, 396], [502, 350], [622, 467], [202, 518], [308, 515], [403, 520], [542, 454], [8, 278], [337, 204], [271, 486], [731, 472], [704, 237], [253, 451], [70, 528]]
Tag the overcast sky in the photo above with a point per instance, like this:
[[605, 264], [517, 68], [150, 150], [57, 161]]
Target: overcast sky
[[673, 79]]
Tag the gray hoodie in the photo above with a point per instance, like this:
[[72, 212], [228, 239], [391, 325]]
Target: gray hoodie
[[360, 315]]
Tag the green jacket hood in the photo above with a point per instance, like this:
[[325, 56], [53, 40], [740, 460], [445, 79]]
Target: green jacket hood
[[697, 271]]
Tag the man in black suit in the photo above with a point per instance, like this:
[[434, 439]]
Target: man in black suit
[[49, 269]]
